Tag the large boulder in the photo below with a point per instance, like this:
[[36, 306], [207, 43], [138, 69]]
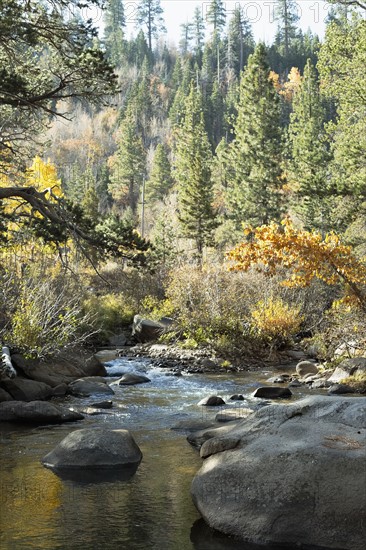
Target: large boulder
[[92, 385], [36, 412], [94, 448], [289, 474], [22, 389], [348, 367], [60, 370], [306, 367], [146, 330]]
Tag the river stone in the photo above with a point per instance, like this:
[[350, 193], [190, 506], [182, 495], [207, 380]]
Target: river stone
[[272, 392], [131, 378], [5, 396], [237, 397], [94, 448], [36, 412], [84, 387], [22, 389], [212, 401], [296, 477], [306, 367], [340, 389], [59, 370], [60, 390]]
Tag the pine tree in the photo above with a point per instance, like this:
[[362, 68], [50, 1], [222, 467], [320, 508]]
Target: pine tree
[[149, 16], [254, 162], [198, 31], [286, 14], [193, 175], [240, 42], [186, 38], [115, 22], [308, 172], [216, 15], [160, 180], [128, 166]]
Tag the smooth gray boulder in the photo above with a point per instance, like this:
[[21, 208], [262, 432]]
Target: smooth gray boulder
[[131, 378], [272, 392], [94, 448], [306, 367], [36, 412], [22, 389], [91, 385], [289, 474], [58, 370]]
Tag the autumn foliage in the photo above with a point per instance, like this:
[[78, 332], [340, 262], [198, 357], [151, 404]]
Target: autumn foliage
[[305, 255]]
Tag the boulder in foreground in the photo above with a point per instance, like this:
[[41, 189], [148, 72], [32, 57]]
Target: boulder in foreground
[[289, 474], [94, 448]]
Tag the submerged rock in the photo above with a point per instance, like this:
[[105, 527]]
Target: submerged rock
[[94, 448], [289, 474]]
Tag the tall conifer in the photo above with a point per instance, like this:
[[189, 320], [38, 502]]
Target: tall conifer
[[254, 164], [193, 175]]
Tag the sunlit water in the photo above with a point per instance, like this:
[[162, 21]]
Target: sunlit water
[[153, 509]]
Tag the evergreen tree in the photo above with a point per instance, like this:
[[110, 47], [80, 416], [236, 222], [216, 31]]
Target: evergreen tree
[[115, 22], [149, 15], [308, 171], [160, 180], [240, 42], [287, 16], [198, 31], [193, 175], [186, 38], [128, 166], [216, 15], [254, 160]]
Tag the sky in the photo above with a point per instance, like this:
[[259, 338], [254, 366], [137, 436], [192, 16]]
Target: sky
[[312, 14]]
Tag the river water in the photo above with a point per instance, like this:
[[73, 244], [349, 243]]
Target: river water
[[153, 509]]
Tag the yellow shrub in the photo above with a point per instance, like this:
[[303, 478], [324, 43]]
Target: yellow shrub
[[276, 321]]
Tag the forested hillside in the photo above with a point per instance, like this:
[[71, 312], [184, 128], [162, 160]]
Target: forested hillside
[[146, 161]]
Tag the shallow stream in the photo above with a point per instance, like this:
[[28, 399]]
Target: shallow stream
[[153, 509]]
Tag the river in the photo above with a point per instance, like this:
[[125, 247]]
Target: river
[[153, 509]]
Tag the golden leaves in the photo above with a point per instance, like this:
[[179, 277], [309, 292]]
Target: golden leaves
[[306, 254]]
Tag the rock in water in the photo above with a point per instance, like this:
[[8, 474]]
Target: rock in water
[[272, 392], [212, 401], [94, 448], [130, 379], [296, 475]]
